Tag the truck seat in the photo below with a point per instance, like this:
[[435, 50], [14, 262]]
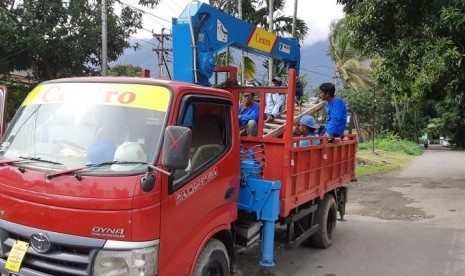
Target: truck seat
[[207, 140], [206, 130], [203, 154]]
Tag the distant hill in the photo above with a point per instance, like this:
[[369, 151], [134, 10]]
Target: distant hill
[[315, 64], [144, 57]]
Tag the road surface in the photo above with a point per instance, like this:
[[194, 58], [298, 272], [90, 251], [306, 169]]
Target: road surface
[[407, 222]]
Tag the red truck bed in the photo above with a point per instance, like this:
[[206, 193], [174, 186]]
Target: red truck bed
[[306, 172]]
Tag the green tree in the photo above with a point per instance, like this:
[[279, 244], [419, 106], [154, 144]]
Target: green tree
[[421, 45], [56, 38], [17, 91], [127, 70], [279, 70], [355, 73], [351, 67]]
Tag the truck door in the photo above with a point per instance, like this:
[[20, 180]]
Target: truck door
[[202, 197]]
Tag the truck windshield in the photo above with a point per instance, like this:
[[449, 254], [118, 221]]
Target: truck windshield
[[67, 125]]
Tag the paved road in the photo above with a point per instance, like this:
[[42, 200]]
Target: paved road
[[409, 222]]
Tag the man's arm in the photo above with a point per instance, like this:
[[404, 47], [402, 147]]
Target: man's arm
[[250, 113]]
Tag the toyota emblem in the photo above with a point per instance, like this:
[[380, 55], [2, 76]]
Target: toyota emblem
[[40, 242]]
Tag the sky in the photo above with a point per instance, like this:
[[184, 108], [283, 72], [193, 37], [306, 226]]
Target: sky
[[317, 13]]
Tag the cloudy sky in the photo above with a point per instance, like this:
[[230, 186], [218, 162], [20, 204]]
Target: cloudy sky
[[317, 13]]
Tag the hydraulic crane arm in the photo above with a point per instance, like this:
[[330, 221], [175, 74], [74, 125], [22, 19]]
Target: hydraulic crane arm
[[207, 31]]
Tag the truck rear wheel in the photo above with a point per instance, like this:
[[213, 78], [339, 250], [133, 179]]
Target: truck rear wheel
[[214, 260], [326, 216]]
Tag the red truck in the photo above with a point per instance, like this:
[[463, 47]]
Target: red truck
[[137, 176]]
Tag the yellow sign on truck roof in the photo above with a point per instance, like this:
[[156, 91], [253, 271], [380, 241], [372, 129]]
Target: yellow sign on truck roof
[[119, 94]]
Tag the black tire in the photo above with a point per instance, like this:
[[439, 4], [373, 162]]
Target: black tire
[[213, 261], [326, 216]]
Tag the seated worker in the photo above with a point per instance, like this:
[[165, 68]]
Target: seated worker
[[307, 128], [248, 115], [273, 101]]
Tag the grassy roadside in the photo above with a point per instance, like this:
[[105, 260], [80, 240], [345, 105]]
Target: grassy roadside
[[390, 154]]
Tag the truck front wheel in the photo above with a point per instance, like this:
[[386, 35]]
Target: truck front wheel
[[213, 260], [326, 216]]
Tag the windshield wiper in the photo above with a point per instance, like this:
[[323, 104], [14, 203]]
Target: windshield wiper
[[38, 159], [51, 175], [10, 161], [129, 163]]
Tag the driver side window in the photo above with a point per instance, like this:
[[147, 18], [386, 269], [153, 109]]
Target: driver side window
[[211, 127]]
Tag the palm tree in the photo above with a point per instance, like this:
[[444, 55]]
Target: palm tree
[[225, 58], [353, 71]]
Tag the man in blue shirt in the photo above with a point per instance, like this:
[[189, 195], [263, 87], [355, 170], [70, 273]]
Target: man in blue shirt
[[336, 110], [248, 115]]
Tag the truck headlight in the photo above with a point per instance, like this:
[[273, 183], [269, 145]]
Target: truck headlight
[[138, 262]]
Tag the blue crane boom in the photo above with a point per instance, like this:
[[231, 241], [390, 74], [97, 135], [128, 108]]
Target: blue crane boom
[[207, 31]]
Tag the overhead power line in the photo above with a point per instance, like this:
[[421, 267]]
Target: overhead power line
[[315, 72], [145, 12], [14, 54]]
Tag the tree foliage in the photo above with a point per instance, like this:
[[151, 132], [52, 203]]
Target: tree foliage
[[126, 70], [421, 44], [17, 91], [351, 67], [56, 38]]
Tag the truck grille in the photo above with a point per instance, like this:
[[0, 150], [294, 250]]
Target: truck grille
[[68, 256]]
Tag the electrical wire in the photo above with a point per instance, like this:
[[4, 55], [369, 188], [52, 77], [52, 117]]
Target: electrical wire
[[167, 5], [20, 51], [315, 72], [147, 42], [145, 12]]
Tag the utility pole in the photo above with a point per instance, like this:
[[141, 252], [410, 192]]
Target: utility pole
[[161, 51], [374, 121], [294, 19], [270, 29], [242, 52], [104, 38]]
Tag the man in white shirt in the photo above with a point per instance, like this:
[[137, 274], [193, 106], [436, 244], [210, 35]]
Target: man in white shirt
[[274, 101]]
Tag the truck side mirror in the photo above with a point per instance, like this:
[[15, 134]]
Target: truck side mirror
[[176, 147], [3, 113]]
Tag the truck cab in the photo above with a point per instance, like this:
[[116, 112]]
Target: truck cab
[[84, 184]]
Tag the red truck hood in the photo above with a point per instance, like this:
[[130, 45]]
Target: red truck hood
[[106, 207]]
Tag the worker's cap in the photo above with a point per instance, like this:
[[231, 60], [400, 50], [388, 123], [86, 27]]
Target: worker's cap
[[100, 152], [308, 120]]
